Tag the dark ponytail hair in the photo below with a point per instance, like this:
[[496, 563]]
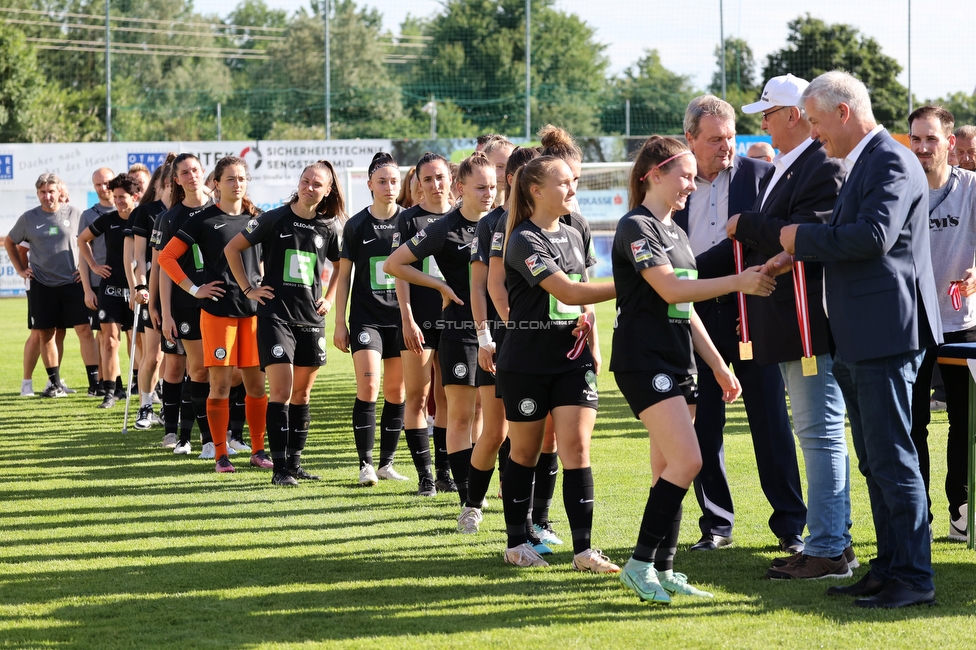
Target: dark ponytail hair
[[178, 192], [518, 158], [149, 193], [655, 150], [521, 205], [556, 141], [333, 204], [218, 173], [381, 159], [430, 157], [468, 165]]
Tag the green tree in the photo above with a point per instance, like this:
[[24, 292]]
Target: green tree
[[961, 105], [476, 59], [658, 98], [740, 82], [814, 47]]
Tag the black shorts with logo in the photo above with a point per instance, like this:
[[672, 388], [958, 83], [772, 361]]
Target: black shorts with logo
[[173, 348], [113, 306], [188, 323], [57, 307], [529, 398], [458, 362], [385, 340], [299, 345], [644, 389]]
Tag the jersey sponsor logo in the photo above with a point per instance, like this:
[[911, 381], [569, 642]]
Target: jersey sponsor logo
[[682, 310], [559, 310], [184, 328], [419, 237], [197, 257], [251, 225], [383, 226], [318, 241], [364, 338], [641, 250], [218, 226], [277, 351], [431, 268], [558, 240], [460, 370], [535, 264], [527, 406], [378, 279], [943, 222], [220, 354], [497, 239], [299, 267], [299, 224], [53, 231], [662, 383]]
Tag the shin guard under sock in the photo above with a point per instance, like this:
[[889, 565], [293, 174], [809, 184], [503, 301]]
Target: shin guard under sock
[[578, 501], [518, 493], [659, 513], [299, 421], [218, 414], [391, 423], [418, 442], [546, 472], [364, 430], [256, 413], [276, 419], [460, 464]]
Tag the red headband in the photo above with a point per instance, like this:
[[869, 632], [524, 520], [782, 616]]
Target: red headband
[[662, 163]]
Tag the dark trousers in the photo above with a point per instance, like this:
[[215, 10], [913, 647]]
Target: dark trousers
[[764, 395], [956, 382]]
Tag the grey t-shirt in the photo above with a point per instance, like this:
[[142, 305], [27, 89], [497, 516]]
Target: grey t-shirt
[[53, 243], [98, 244], [952, 235]]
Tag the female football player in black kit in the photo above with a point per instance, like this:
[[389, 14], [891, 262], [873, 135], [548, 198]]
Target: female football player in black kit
[[228, 323], [449, 241], [652, 360], [420, 309], [296, 240], [544, 364], [114, 314], [373, 328]]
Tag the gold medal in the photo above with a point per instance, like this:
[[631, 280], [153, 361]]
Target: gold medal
[[809, 365], [745, 350]]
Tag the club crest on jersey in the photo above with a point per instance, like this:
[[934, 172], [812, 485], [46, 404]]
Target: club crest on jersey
[[662, 383], [318, 241], [277, 351], [364, 337], [419, 237], [536, 265], [496, 241], [460, 370], [251, 225], [527, 406], [184, 328], [220, 354], [641, 250]]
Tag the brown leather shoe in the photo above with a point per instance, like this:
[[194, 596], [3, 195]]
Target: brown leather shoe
[[808, 567]]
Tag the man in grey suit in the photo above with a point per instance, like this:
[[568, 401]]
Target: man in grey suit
[[882, 310]]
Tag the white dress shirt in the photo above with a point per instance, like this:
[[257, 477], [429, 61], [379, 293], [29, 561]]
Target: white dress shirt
[[708, 211]]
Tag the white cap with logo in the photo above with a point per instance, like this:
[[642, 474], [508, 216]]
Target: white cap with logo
[[779, 91]]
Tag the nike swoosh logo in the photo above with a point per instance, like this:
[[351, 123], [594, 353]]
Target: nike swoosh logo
[[369, 241], [592, 398], [668, 248], [460, 247], [553, 473], [114, 227], [218, 226], [39, 226], [586, 500], [283, 236], [520, 500], [365, 427]]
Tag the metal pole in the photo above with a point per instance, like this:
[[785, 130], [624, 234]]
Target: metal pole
[[910, 109], [433, 118], [108, 77], [218, 123], [528, 69], [627, 117], [328, 74], [721, 36]]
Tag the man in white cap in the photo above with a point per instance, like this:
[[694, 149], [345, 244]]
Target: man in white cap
[[802, 189]]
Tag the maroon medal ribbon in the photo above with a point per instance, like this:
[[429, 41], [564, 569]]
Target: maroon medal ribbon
[[956, 296], [809, 361], [745, 344]]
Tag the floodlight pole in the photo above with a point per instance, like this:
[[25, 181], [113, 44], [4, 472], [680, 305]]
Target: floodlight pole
[[108, 77], [328, 74], [528, 69], [910, 109], [721, 36]]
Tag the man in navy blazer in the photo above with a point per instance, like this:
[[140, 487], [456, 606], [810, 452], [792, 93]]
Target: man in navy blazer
[[883, 313], [727, 185], [802, 189]]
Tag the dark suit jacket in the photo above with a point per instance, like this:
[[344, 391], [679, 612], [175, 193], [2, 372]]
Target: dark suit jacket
[[804, 194], [718, 261], [881, 296]]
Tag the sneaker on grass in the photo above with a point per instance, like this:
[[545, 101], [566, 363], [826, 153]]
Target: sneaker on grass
[[387, 473], [283, 479], [367, 476], [107, 402], [55, 391], [182, 448], [594, 561], [469, 520], [524, 555], [209, 452], [300, 474], [68, 390], [223, 466], [261, 460], [809, 567], [145, 418], [27, 388], [641, 578], [169, 442], [445, 483], [546, 534], [238, 445], [676, 584], [426, 487], [957, 527]]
